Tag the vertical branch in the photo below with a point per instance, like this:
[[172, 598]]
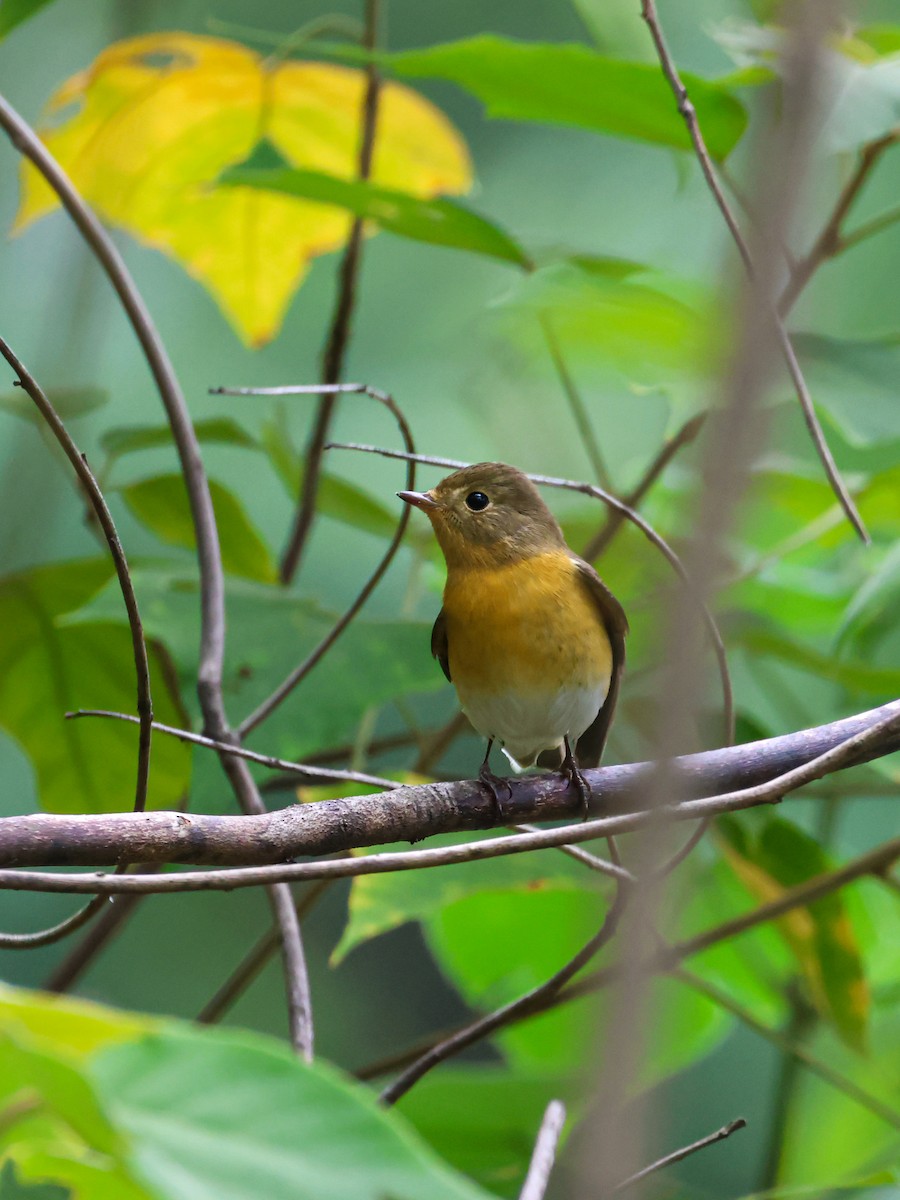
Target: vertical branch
[[339, 334], [617, 1147], [209, 558], [544, 1154]]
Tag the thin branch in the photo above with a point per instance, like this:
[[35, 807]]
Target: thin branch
[[412, 813], [299, 673], [544, 1154], [656, 539], [876, 863], [212, 582], [54, 933], [317, 774], [688, 112], [830, 241], [576, 404], [515, 1010], [339, 333], [826, 1072], [719, 1136], [104, 517], [670, 447], [869, 228], [67, 972]]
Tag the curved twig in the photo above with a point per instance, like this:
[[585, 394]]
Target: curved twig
[[139, 646], [656, 539], [339, 333], [54, 933], [209, 558], [299, 673], [688, 113], [487, 1025]]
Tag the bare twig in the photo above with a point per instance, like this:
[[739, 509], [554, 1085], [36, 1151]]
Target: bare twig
[[67, 972], [576, 404], [299, 673], [104, 517], [339, 333], [544, 1154], [212, 582], [719, 1136], [830, 241], [537, 997], [688, 112], [656, 539], [54, 933], [317, 774], [412, 813], [602, 538]]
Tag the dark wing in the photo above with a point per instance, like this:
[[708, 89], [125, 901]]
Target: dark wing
[[591, 743], [439, 648]]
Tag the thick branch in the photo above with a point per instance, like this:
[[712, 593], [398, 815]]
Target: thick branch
[[413, 813]]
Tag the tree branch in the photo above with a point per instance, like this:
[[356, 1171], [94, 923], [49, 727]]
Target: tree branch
[[209, 558], [688, 112], [768, 769], [101, 510], [339, 333]]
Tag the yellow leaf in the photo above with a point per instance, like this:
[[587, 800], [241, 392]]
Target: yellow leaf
[[158, 119]]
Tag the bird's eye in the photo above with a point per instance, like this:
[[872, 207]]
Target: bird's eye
[[477, 501]]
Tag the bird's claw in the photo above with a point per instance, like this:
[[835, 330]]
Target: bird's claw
[[570, 770], [493, 783]]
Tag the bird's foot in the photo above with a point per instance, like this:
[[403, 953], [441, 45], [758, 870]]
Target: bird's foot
[[570, 770], [494, 783]]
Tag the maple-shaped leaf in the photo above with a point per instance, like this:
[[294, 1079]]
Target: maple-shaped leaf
[[158, 118]]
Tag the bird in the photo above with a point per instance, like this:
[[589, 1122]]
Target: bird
[[529, 634]]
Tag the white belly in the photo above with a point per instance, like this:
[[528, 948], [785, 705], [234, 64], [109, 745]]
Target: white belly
[[527, 722]]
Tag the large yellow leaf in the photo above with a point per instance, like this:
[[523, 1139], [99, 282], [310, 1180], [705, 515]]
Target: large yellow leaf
[[157, 120]]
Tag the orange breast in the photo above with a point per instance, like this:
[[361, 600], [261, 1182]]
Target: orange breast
[[531, 625]]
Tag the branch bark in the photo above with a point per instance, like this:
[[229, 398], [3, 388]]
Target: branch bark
[[413, 813]]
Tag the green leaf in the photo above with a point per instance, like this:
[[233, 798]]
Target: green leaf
[[14, 12], [129, 438], [228, 1116], [883, 39], [382, 902], [11, 1188], [573, 85], [774, 855], [875, 602], [856, 381], [162, 505], [853, 674], [439, 222], [69, 403], [75, 1029], [48, 669], [598, 307]]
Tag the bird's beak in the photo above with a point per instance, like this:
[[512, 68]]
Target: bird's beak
[[423, 500]]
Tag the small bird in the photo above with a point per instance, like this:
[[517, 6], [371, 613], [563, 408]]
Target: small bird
[[529, 635]]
